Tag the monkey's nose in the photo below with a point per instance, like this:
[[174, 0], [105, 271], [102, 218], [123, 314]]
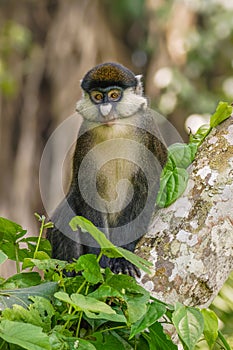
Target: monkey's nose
[[105, 109]]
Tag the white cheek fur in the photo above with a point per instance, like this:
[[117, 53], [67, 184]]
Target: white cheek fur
[[130, 104], [87, 109]]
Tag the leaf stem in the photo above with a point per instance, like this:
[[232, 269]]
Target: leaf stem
[[81, 287], [17, 258], [223, 340], [111, 329], [87, 288], [99, 256], [42, 219], [79, 324], [68, 321], [3, 343]]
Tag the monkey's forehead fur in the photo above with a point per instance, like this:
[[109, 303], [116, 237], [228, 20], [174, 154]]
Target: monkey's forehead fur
[[108, 74]]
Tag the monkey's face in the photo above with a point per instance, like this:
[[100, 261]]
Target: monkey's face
[[110, 104], [110, 92]]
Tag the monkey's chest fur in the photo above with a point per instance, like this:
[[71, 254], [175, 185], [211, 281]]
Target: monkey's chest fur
[[108, 166], [112, 163], [115, 186]]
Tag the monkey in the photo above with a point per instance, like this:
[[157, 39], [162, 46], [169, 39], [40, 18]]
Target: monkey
[[117, 162]]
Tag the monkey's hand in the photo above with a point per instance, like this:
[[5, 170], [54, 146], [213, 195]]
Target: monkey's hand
[[121, 265]]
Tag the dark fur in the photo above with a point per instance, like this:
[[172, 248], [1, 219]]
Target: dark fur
[[65, 248], [72, 245]]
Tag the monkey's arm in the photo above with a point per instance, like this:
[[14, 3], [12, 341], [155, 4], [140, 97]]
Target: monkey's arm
[[65, 242]]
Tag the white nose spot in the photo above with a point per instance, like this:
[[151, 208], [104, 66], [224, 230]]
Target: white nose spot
[[105, 109]]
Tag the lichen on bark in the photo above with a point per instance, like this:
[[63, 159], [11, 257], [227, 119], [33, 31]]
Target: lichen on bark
[[190, 242]]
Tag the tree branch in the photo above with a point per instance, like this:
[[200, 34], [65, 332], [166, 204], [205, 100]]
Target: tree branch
[[190, 242]]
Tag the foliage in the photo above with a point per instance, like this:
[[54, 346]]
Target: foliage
[[107, 247], [95, 309], [202, 73], [174, 176], [204, 77], [223, 307], [16, 39]]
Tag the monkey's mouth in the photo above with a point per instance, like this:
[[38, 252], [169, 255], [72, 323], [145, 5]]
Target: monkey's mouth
[[109, 122]]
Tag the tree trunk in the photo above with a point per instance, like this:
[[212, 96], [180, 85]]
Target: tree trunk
[[190, 242]]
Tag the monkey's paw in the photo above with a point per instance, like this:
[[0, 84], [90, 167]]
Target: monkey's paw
[[121, 265]]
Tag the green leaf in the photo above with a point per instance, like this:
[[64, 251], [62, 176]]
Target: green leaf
[[84, 303], [91, 304], [10, 229], [142, 343], [43, 305], [126, 285], [63, 296], [189, 324], [45, 264], [210, 327], [45, 309], [26, 335], [136, 260], [104, 292], [135, 296], [3, 257], [123, 338], [136, 308], [71, 285], [82, 344], [200, 135], [31, 242], [182, 154], [106, 341], [174, 177], [13, 251], [40, 255], [10, 233], [89, 264], [59, 341], [19, 313], [27, 263], [104, 316], [223, 111], [87, 226], [21, 296], [108, 248], [173, 182], [154, 311], [22, 280], [158, 339]]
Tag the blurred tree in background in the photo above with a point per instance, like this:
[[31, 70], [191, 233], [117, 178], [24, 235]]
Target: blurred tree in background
[[183, 48]]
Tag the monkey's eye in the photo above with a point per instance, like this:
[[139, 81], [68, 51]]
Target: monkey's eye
[[114, 95], [97, 96]]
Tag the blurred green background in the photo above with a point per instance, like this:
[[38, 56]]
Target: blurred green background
[[183, 48]]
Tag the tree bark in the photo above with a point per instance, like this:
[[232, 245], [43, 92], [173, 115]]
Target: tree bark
[[190, 242]]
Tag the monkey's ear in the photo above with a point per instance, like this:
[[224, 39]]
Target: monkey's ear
[[139, 86], [83, 92]]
